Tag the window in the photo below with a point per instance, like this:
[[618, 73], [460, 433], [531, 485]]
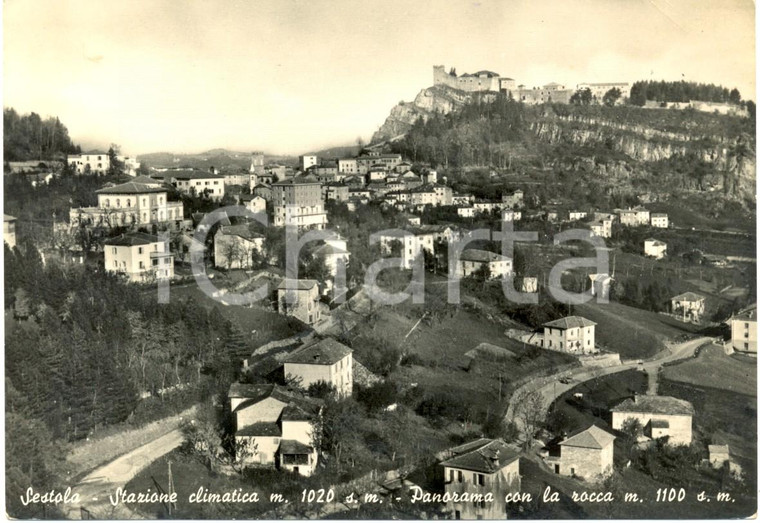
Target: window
[[460, 476], [113, 250], [139, 250], [480, 479], [116, 266], [142, 265], [129, 203], [167, 261], [746, 346], [155, 263]]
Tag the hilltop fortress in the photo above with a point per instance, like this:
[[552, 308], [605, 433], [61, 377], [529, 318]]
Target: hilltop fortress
[[485, 81]]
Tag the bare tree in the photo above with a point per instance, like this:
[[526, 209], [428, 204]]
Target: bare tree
[[530, 410]]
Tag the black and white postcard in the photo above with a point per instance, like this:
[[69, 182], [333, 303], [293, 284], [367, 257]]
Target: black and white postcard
[[351, 259]]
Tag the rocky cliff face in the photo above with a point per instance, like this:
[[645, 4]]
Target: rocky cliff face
[[733, 158], [437, 99]]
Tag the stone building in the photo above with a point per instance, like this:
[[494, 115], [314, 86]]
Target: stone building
[[587, 454], [660, 417]]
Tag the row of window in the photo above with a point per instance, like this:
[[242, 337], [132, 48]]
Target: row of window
[[129, 202], [477, 478]]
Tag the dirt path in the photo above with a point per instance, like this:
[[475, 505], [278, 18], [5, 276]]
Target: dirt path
[[94, 490]]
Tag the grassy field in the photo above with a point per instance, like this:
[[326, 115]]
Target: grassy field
[[260, 325], [634, 333], [440, 366], [713, 368], [599, 395]]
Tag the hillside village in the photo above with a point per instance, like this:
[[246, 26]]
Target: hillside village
[[317, 384]]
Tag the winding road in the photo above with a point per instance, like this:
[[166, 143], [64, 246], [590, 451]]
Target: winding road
[[97, 487], [550, 388]]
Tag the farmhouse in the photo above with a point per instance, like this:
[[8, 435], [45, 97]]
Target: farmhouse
[[326, 360], [660, 416], [655, 248], [300, 299], [586, 454], [690, 306], [281, 424], [473, 260], [659, 220], [573, 334], [141, 257], [601, 228], [634, 217], [479, 467], [234, 246], [600, 284], [198, 183]]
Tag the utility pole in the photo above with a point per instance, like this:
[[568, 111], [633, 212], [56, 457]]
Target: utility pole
[[171, 486]]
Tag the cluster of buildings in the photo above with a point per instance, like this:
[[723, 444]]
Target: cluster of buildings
[[374, 176], [491, 82], [99, 162]]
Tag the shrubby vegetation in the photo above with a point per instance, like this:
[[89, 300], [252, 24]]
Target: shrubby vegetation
[[663, 91], [29, 137], [81, 348]]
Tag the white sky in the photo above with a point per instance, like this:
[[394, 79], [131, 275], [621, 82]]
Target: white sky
[[288, 76]]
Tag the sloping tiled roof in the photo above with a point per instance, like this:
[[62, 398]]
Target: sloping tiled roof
[[688, 296], [298, 285], [328, 249], [324, 352], [488, 458], [478, 255], [570, 322], [291, 446], [241, 230], [297, 407], [132, 239], [261, 428], [655, 243], [750, 313], [130, 188], [590, 438], [656, 405]]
